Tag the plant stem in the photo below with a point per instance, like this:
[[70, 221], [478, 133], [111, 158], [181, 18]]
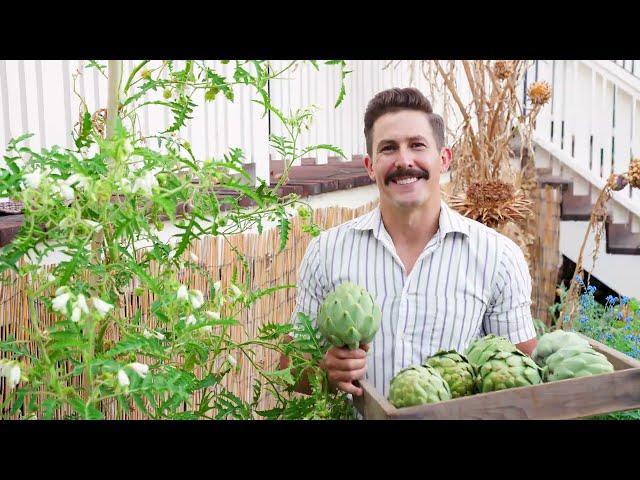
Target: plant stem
[[113, 94]]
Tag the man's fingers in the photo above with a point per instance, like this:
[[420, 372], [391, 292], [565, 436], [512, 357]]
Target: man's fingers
[[347, 376], [350, 388], [344, 352], [346, 364]]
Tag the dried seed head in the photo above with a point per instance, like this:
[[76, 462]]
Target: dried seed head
[[539, 93], [634, 173], [503, 69], [617, 182]]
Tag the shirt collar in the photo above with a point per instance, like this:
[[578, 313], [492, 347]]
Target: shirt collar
[[448, 222]]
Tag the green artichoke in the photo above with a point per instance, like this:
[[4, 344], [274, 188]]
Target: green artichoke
[[349, 316], [456, 370], [576, 361], [481, 349], [550, 343], [508, 370], [416, 385]]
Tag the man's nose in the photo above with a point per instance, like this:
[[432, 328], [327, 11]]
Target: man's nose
[[404, 158]]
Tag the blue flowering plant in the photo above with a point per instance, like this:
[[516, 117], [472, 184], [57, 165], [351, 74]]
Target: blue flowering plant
[[615, 323]]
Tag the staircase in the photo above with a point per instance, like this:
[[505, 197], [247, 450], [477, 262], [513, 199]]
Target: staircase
[[618, 261], [591, 129]]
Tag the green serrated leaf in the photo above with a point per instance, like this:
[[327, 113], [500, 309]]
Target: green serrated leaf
[[271, 414], [272, 331], [284, 228], [283, 375]]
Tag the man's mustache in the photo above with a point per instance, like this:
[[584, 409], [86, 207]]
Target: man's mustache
[[407, 172]]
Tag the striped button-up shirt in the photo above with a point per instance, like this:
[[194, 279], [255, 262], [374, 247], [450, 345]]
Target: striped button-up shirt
[[468, 281]]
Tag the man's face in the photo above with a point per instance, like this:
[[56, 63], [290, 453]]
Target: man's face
[[407, 162]]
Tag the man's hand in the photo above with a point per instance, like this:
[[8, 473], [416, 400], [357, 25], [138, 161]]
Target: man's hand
[[343, 366]]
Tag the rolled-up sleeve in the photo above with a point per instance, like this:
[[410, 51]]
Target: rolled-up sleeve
[[509, 311], [311, 287]]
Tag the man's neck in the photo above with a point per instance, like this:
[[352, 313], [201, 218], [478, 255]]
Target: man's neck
[[411, 228]]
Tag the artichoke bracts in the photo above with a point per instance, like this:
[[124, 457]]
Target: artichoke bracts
[[349, 316], [576, 361], [456, 370], [549, 343], [507, 370], [417, 385], [481, 349]]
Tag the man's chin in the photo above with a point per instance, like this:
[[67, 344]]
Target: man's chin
[[408, 203]]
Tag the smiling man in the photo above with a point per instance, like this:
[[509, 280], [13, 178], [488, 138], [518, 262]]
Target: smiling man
[[441, 279]]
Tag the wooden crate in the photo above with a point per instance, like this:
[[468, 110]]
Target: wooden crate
[[560, 400]]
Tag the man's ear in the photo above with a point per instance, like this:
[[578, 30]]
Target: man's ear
[[445, 159], [368, 164]]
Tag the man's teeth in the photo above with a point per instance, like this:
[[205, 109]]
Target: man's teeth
[[405, 181]]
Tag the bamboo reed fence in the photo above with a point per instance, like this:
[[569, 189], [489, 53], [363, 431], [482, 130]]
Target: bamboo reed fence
[[267, 268]]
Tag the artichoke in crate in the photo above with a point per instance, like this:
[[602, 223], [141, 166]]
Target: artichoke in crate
[[576, 361], [550, 343], [481, 349], [417, 385], [504, 370], [456, 370], [349, 316]]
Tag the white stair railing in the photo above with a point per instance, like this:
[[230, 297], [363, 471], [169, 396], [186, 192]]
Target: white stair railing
[[591, 126]]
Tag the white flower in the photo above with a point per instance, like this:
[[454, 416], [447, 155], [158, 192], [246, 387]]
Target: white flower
[[193, 256], [60, 302], [62, 290], [137, 162], [213, 315], [191, 320], [93, 225], [123, 378], [207, 329], [231, 359], [148, 334], [75, 315], [33, 179], [76, 179], [140, 368], [216, 286], [20, 162], [145, 183], [183, 293], [125, 185], [12, 373], [172, 254], [235, 290], [51, 278], [65, 191], [196, 298], [81, 303], [101, 306], [127, 147]]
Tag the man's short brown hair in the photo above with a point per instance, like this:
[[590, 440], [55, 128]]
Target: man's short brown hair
[[394, 100]]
